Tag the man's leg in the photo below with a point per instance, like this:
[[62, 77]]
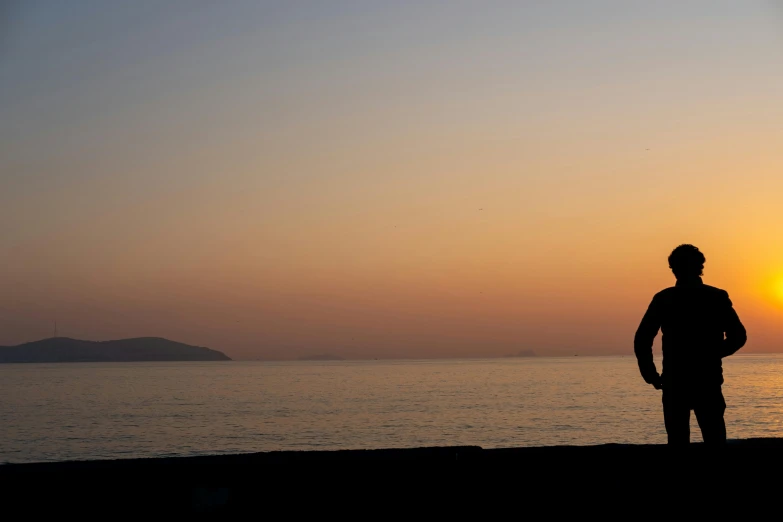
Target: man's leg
[[677, 419], [709, 413]]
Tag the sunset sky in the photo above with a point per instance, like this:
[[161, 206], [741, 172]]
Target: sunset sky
[[385, 179]]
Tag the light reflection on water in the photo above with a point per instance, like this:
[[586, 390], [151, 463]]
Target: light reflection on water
[[95, 410]]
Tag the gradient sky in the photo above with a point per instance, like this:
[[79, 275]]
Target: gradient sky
[[385, 179]]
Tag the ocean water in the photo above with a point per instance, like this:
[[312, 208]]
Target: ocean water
[[53, 412]]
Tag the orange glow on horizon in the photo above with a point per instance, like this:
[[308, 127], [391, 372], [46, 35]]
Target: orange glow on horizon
[[777, 291]]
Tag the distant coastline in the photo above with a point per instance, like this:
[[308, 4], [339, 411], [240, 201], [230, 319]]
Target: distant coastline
[[64, 349], [523, 353], [322, 357]]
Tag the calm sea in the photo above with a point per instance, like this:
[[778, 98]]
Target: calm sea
[[51, 412]]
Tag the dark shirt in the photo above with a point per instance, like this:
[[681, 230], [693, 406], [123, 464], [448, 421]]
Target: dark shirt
[[699, 328]]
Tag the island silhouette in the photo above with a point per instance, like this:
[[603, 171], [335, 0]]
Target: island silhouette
[[64, 349]]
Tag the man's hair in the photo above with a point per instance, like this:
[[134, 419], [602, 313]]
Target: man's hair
[[686, 261]]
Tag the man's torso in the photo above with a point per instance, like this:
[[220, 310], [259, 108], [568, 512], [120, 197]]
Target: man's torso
[[692, 327]]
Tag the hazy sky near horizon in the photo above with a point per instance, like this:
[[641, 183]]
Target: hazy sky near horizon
[[385, 179]]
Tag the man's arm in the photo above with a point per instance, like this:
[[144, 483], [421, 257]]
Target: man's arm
[[643, 344], [736, 336]]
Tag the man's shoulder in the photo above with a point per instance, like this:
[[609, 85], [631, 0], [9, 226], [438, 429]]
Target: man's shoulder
[[715, 292], [712, 291], [663, 294]]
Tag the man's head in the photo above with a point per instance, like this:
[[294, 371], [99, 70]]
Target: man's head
[[686, 261]]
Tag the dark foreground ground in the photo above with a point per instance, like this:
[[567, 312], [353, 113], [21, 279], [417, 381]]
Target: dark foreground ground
[[626, 480]]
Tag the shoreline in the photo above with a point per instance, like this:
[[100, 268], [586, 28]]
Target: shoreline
[[421, 455], [236, 483]]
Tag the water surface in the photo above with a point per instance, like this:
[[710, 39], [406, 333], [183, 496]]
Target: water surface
[[52, 412]]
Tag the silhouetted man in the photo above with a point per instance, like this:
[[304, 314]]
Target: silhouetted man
[[700, 328]]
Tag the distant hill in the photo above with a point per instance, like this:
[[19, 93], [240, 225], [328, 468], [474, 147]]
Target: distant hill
[[322, 357], [63, 349]]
